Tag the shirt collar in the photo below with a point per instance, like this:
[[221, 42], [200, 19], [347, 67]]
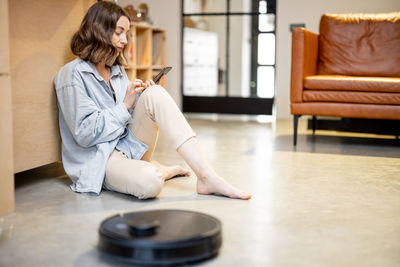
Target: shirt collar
[[87, 66]]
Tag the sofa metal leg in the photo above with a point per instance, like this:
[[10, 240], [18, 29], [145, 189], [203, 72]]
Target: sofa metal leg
[[314, 124], [295, 123]]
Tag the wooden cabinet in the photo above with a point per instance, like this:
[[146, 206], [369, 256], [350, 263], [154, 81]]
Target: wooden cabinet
[[40, 35], [35, 44], [146, 52]]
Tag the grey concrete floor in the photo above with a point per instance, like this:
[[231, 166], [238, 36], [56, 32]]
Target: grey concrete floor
[[334, 200]]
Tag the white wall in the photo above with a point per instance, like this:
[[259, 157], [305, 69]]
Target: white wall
[[167, 14], [309, 12]]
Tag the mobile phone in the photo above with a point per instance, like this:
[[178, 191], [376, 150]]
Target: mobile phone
[[163, 72]]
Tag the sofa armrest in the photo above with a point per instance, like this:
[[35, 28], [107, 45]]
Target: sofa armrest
[[304, 60]]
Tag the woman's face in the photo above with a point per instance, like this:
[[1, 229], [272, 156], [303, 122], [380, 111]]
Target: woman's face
[[119, 38]]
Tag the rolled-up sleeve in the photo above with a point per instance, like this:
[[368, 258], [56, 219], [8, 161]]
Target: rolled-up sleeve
[[88, 124]]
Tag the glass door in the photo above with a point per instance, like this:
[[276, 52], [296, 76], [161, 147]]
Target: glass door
[[228, 56]]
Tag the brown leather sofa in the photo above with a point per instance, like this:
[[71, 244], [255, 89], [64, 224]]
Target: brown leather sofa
[[351, 69]]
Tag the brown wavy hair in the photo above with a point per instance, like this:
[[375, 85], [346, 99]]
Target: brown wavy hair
[[93, 39]]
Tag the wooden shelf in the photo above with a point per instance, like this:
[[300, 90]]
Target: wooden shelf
[[142, 67], [146, 52]]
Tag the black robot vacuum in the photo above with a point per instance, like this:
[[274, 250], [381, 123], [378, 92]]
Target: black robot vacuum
[[160, 237]]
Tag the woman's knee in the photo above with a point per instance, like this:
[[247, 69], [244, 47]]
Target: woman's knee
[[154, 89], [150, 184], [155, 93]]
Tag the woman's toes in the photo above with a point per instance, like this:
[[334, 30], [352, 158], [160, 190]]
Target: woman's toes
[[174, 171]]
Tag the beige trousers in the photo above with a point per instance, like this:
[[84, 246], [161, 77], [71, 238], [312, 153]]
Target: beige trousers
[[154, 110]]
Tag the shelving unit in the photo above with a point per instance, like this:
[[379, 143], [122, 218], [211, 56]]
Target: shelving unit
[[146, 52]]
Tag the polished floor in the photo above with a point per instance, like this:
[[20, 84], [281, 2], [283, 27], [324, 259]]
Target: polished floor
[[334, 200]]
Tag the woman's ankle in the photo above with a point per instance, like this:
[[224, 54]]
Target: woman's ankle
[[205, 175]]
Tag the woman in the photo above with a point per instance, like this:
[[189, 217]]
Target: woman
[[109, 126]]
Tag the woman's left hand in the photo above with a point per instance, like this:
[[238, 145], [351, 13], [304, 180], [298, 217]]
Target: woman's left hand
[[148, 83], [141, 86]]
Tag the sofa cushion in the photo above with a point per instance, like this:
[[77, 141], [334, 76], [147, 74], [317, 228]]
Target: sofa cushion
[[360, 44], [351, 97], [352, 83], [347, 110]]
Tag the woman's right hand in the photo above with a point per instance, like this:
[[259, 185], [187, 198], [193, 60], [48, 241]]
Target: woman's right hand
[[131, 92]]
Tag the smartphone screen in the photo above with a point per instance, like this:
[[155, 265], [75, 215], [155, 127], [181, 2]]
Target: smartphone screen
[[164, 71]]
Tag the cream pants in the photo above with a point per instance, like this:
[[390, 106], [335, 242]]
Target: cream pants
[[154, 110]]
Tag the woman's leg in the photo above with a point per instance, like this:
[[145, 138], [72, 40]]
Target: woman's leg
[[161, 109], [134, 177], [208, 181], [139, 178], [147, 113]]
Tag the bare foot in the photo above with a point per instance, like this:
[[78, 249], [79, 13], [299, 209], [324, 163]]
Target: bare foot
[[215, 184], [171, 171]]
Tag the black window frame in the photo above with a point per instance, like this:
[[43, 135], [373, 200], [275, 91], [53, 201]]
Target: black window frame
[[227, 104]]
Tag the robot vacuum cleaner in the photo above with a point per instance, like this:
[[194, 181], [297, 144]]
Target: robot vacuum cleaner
[[160, 237]]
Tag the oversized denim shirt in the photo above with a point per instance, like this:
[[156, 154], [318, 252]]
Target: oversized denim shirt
[[92, 124]]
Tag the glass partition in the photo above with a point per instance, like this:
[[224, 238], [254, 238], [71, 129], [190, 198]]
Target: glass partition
[[204, 57]]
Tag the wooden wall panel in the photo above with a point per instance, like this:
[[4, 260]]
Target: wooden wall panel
[[40, 33], [4, 41], [6, 151], [6, 136]]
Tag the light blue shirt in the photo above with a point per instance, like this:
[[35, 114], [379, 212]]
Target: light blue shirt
[[92, 124]]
